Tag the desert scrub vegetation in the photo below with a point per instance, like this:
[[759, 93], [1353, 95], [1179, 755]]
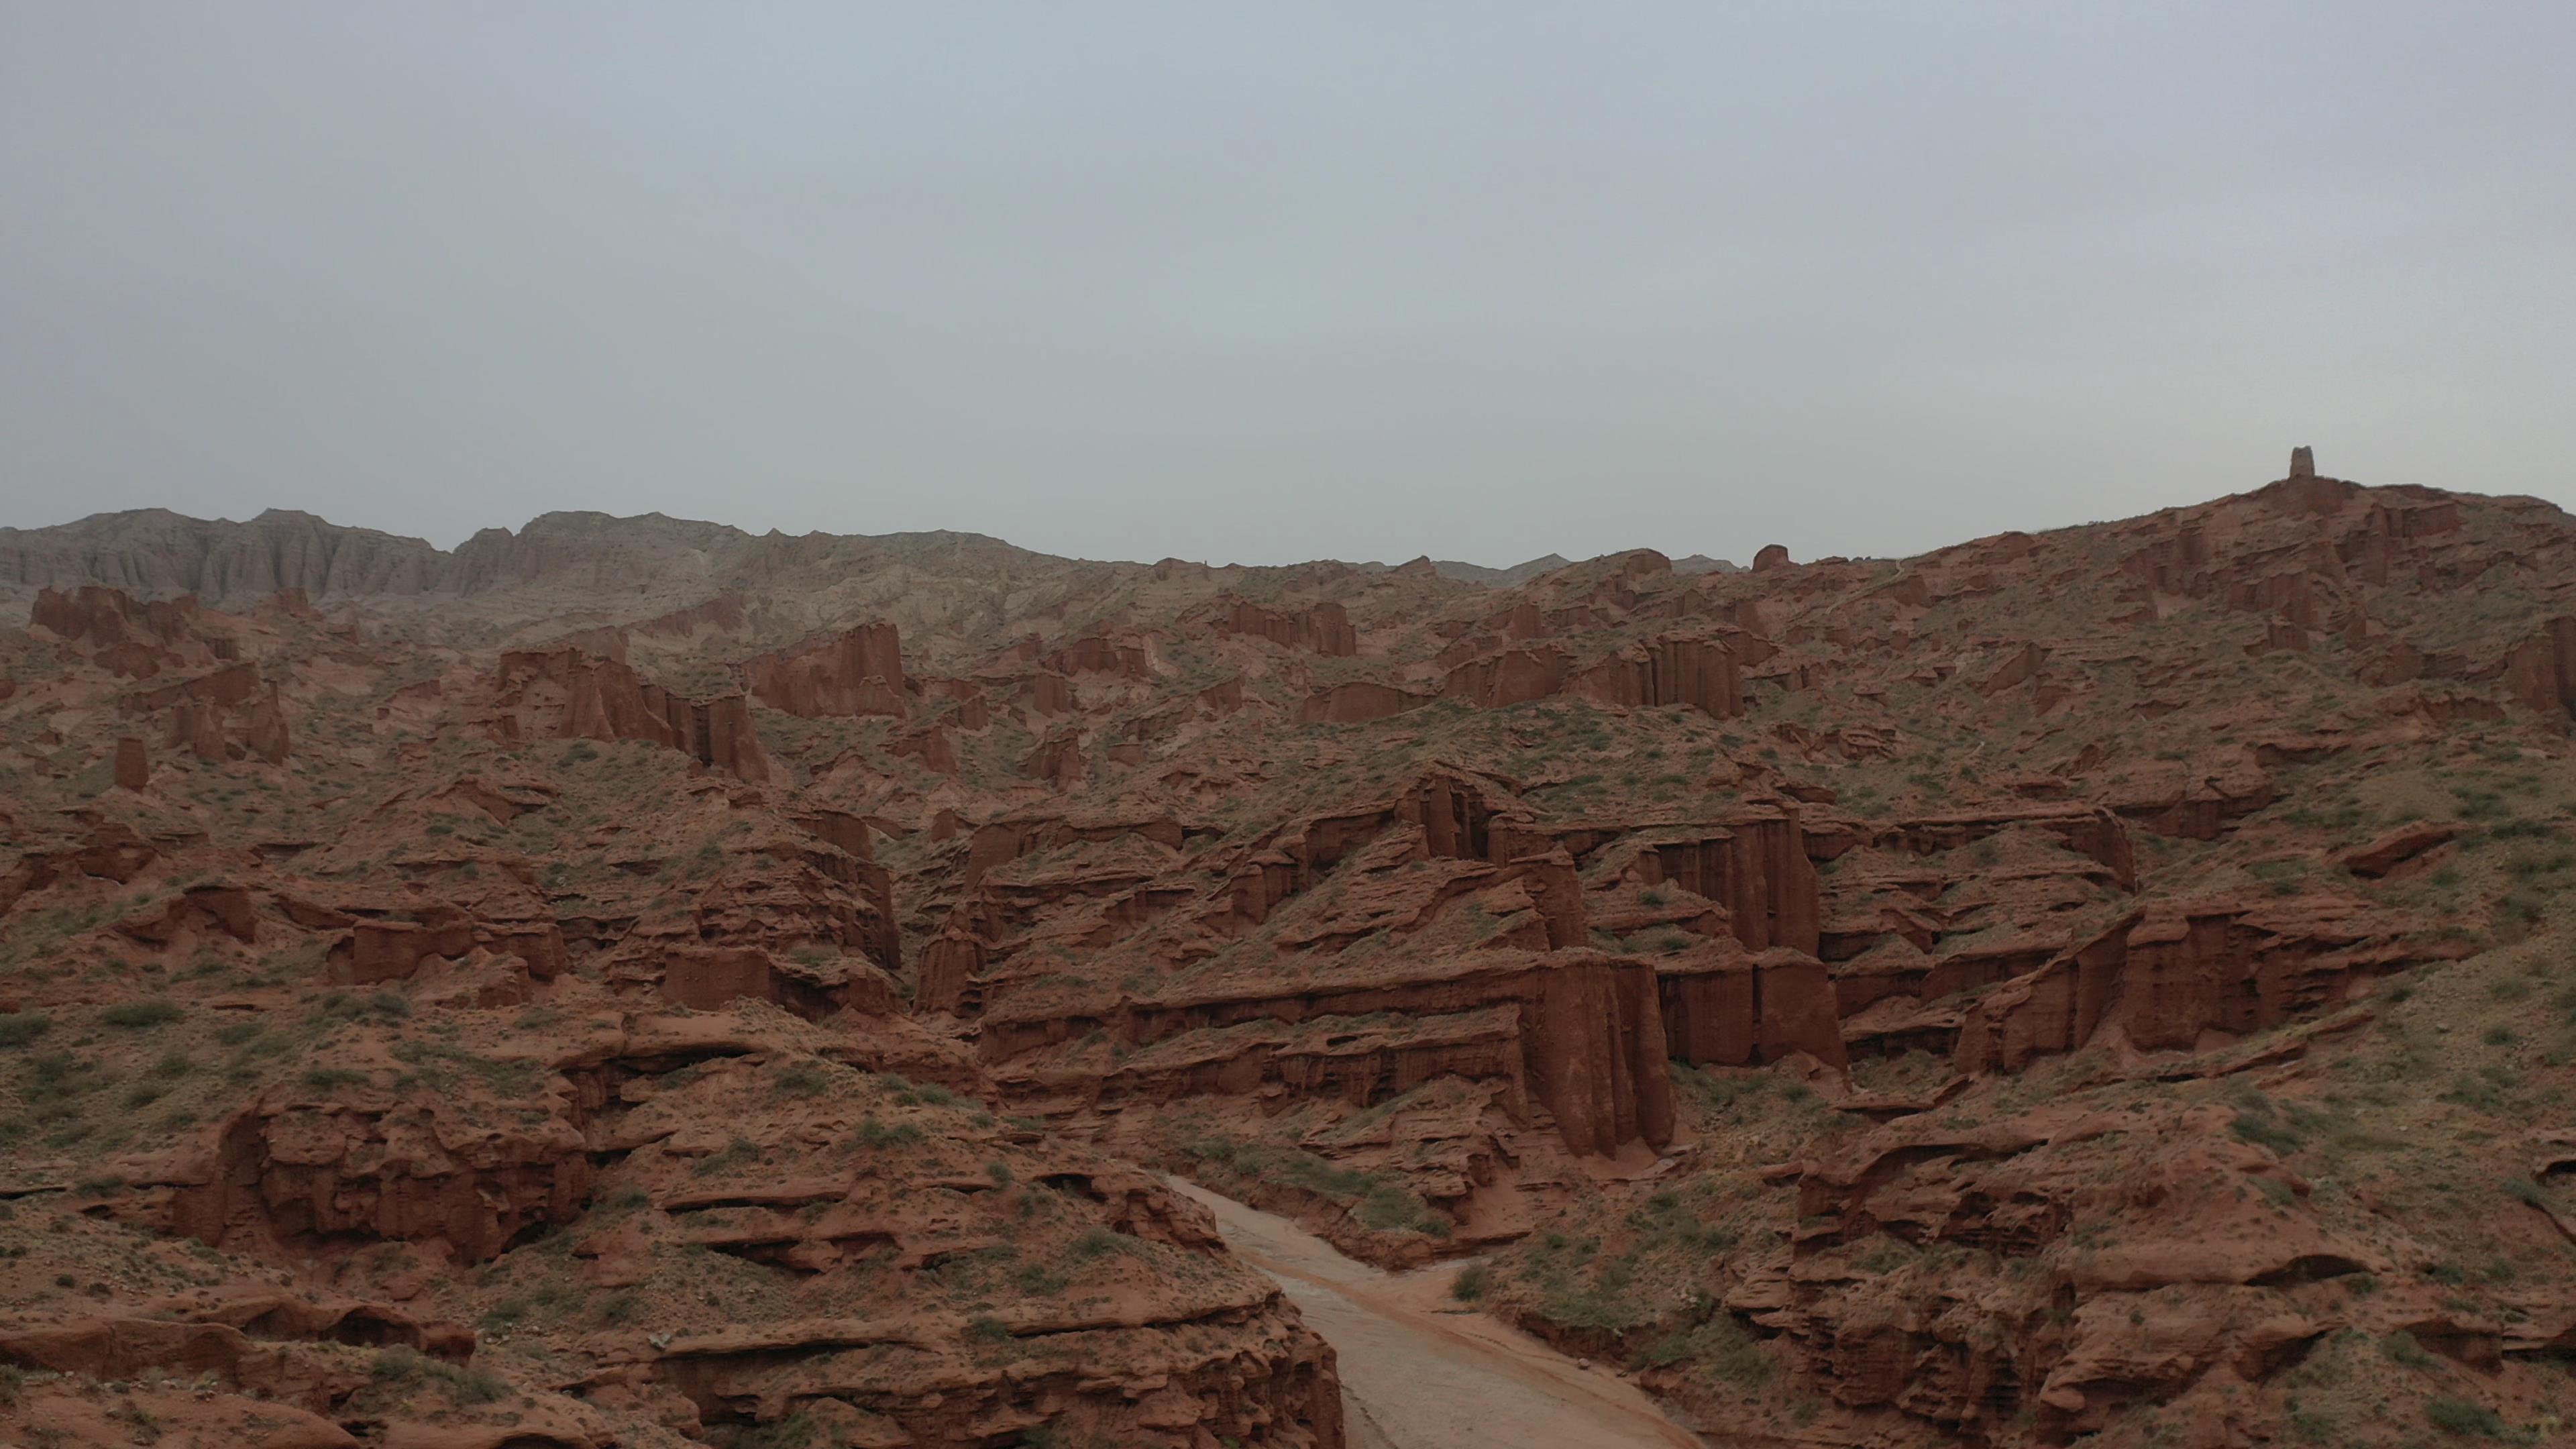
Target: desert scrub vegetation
[[1376, 1201], [404, 1368], [1718, 1351], [141, 1015], [804, 1077]]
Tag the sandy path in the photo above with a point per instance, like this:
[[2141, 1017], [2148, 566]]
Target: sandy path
[[1416, 1377]]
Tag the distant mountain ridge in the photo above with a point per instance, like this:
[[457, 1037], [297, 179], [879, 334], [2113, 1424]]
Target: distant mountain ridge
[[154, 552]]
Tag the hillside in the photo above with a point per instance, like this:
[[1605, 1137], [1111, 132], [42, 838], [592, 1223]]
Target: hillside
[[631, 981]]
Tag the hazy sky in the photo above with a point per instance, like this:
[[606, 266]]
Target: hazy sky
[[1261, 283]]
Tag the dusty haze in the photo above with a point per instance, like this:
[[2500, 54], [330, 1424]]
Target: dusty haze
[[1125, 281]]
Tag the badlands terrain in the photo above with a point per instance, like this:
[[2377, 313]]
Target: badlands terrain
[[631, 982]]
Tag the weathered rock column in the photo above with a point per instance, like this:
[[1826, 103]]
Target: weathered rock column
[[133, 767]]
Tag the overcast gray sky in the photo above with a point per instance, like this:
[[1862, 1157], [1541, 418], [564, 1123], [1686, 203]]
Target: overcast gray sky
[[1262, 283]]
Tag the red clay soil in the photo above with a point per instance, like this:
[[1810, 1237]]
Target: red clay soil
[[2102, 985]]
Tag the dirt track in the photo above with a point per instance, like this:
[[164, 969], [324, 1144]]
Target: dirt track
[[1417, 1377]]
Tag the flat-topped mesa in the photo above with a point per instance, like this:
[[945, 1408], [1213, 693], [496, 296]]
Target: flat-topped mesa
[[567, 694], [856, 672]]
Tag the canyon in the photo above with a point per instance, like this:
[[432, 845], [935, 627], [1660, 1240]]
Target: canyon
[[634, 982]]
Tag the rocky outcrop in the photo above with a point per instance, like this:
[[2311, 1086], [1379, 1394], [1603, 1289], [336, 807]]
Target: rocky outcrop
[[133, 765], [1322, 628], [107, 620], [1514, 676], [2165, 1267], [1128, 1320], [1725, 1007], [2400, 848], [857, 672], [2164, 976], [1576, 1036], [1356, 703], [1099, 655], [2540, 671], [1751, 961], [568, 695], [1696, 673], [374, 1159]]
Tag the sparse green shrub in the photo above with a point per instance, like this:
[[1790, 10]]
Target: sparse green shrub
[[2402, 1349], [2459, 1416], [872, 1133], [140, 1015], [801, 1079], [410, 1366], [740, 1151], [1096, 1241]]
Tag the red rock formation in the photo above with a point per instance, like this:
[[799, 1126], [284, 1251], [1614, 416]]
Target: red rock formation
[[1323, 628], [1757, 866], [2400, 847], [1047, 693], [1515, 676], [1102, 656], [416, 1166], [1850, 842], [1356, 703], [2541, 671], [973, 711], [1698, 673], [1732, 1008], [856, 672], [847, 833], [570, 695], [197, 727], [1058, 758], [133, 766], [935, 748], [1597, 1055], [130, 636], [265, 733], [2166, 975]]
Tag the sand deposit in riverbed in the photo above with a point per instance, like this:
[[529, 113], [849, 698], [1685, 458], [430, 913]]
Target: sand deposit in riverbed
[[1417, 1377]]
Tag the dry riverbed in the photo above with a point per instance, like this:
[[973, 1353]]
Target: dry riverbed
[[1419, 1374]]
